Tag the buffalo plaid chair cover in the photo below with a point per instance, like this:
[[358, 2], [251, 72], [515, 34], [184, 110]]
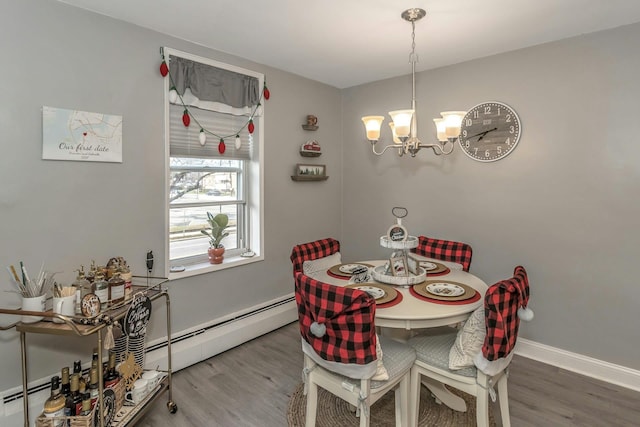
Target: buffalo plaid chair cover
[[501, 305], [336, 321], [311, 251], [445, 250]]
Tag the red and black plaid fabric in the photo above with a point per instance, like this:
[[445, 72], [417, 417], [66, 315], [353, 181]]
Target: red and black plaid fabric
[[501, 303], [445, 250], [347, 315], [312, 250]]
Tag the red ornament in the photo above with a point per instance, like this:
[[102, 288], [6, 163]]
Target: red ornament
[[251, 127], [222, 147], [185, 118], [267, 94], [164, 69]]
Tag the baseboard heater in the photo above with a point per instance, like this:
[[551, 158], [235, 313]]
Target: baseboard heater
[[285, 313], [200, 331]]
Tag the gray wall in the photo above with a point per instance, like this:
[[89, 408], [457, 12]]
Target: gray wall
[[564, 204], [67, 213]]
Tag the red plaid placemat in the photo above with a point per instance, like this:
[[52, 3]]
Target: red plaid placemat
[[474, 298]]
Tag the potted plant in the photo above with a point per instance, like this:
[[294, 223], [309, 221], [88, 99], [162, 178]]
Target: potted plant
[[216, 232]]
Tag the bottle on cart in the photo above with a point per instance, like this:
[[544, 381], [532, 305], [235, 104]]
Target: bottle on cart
[[82, 389], [94, 359], [74, 399], [65, 389], [86, 404], [112, 378], [91, 274], [77, 369], [83, 287], [54, 405], [94, 389], [116, 289], [125, 274], [101, 289]]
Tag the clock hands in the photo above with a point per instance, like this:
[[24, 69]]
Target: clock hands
[[482, 134]]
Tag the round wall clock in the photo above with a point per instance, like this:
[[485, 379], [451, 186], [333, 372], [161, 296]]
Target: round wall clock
[[489, 131]]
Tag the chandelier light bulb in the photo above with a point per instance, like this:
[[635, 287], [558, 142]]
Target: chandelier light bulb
[[202, 137]]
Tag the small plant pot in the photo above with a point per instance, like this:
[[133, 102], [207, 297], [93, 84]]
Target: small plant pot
[[216, 255]]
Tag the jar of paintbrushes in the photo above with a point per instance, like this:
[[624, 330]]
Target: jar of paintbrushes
[[33, 291]]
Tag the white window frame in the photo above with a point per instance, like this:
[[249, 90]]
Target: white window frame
[[254, 176]]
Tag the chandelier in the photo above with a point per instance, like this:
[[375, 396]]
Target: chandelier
[[403, 126]]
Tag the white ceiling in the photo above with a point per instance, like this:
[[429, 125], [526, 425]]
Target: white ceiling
[[349, 42]]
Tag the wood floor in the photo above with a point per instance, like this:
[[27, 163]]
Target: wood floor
[[250, 386]]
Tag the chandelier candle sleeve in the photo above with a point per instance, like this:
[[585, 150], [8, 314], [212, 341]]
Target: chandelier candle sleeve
[[372, 126], [440, 129], [452, 122], [401, 122]]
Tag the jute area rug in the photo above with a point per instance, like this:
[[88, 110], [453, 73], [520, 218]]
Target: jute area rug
[[335, 412]]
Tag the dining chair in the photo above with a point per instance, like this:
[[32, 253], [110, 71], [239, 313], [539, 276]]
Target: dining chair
[[339, 344], [315, 250], [445, 250], [505, 303]]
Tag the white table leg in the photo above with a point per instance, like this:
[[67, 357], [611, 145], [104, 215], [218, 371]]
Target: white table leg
[[444, 395]]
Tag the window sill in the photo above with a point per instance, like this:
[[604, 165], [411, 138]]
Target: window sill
[[204, 268]]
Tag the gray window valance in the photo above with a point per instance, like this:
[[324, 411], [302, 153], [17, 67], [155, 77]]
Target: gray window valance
[[214, 84]]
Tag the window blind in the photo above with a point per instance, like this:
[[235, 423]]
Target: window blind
[[184, 141]]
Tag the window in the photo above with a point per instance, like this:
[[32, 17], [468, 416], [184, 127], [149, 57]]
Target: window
[[217, 177]]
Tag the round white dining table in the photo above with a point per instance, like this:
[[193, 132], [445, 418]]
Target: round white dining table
[[414, 313]]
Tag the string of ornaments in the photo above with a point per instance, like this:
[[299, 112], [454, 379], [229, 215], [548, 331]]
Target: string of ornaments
[[187, 116]]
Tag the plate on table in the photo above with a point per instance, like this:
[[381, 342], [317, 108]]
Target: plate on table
[[381, 293], [422, 290], [429, 266], [349, 268], [434, 267], [346, 270], [374, 291], [445, 289]]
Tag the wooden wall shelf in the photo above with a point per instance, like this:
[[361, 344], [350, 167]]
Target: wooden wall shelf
[[308, 178]]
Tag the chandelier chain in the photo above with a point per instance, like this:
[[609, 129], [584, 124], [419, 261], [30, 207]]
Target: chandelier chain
[[413, 58]]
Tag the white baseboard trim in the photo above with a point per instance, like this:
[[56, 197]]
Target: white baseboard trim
[[578, 363]]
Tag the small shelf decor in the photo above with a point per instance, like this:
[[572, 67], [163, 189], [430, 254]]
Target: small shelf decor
[[312, 123], [305, 172], [310, 149]]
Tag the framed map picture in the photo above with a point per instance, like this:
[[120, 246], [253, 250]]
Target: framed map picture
[[81, 136]]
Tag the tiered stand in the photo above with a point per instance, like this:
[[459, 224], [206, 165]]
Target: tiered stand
[[381, 273]]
